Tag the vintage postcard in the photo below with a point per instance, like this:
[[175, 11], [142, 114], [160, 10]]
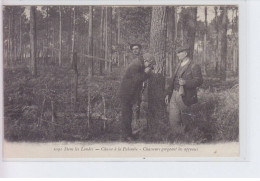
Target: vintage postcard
[[121, 82]]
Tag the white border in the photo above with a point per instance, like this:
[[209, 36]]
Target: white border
[[120, 2], [250, 125], [242, 65]]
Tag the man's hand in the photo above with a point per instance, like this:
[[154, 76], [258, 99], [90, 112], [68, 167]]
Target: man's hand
[[147, 70], [166, 99], [182, 82], [146, 64]]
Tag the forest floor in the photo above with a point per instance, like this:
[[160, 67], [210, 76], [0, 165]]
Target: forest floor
[[44, 109]]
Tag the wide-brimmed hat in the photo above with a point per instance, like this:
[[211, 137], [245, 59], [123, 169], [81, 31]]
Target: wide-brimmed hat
[[136, 44], [182, 48]]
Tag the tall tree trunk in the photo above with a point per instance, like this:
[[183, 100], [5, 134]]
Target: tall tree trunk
[[189, 27], [53, 43], [101, 41], [182, 34], [69, 37], [156, 84], [205, 43], [47, 38], [15, 50], [234, 42], [106, 39], [11, 33], [109, 37], [237, 45], [60, 38], [172, 36], [14, 43], [118, 26], [217, 42], [20, 37], [75, 67], [103, 33], [9, 40], [73, 35], [90, 43], [175, 38], [33, 41], [119, 37], [223, 38]]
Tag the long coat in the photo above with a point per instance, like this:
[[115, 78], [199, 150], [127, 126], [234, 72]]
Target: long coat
[[193, 77], [131, 83]]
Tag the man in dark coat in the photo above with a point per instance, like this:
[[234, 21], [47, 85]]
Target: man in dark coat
[[182, 92], [130, 89]]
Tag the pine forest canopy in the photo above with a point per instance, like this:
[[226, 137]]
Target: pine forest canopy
[[129, 24]]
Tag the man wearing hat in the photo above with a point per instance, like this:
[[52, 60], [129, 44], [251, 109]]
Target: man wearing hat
[[182, 91], [137, 57], [136, 49], [130, 90]]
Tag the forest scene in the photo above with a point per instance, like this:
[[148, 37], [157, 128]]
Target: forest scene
[[63, 66]]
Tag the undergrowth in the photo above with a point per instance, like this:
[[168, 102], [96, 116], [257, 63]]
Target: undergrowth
[[44, 109]]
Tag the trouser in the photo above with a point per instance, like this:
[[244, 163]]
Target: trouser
[[128, 112], [126, 119], [177, 108]]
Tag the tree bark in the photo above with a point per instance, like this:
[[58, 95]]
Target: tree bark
[[33, 40], [234, 42], [118, 27], [47, 38], [217, 42], [11, 35], [75, 66], [189, 28], [156, 83], [223, 39], [14, 44], [172, 36], [9, 41], [90, 43], [101, 40], [182, 34], [106, 39], [20, 37], [53, 43], [60, 43], [73, 35], [205, 43], [109, 38], [119, 37], [237, 45]]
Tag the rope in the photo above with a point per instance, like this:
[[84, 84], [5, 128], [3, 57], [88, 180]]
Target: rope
[[81, 54]]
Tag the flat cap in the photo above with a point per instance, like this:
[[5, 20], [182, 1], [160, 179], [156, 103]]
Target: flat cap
[[182, 48]]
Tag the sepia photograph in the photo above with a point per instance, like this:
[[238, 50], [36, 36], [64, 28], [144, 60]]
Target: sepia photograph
[[120, 81]]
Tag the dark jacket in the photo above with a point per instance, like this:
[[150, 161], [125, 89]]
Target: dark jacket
[[131, 83], [193, 77]]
